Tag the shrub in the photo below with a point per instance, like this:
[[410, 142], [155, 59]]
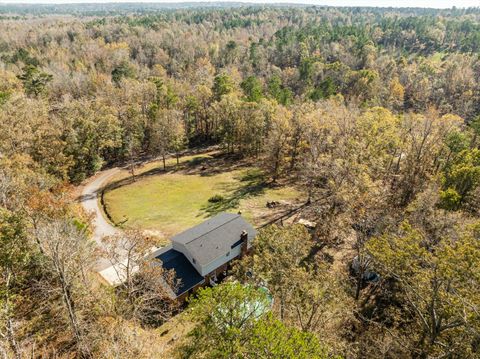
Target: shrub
[[450, 199], [216, 198]]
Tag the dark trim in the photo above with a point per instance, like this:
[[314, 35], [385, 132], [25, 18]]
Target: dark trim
[[237, 243]]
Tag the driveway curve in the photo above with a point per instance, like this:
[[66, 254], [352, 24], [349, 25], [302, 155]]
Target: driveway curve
[[89, 201]]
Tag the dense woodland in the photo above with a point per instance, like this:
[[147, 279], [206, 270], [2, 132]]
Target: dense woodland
[[375, 113]]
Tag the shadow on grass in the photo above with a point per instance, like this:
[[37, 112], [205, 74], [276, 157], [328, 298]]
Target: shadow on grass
[[215, 164], [252, 184], [196, 161], [204, 165], [186, 165]]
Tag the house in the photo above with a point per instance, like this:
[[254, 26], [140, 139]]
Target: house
[[199, 254]]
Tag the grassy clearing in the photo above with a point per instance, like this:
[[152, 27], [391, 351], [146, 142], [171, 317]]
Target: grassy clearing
[[170, 202], [156, 166]]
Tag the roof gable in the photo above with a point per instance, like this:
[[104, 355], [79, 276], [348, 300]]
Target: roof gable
[[214, 237]]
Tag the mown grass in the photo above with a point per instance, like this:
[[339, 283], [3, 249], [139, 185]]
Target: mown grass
[[174, 201], [154, 167]]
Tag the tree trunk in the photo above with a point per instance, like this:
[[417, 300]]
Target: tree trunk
[[67, 298], [282, 305], [359, 284], [72, 315], [276, 166], [361, 271], [10, 329], [294, 153], [132, 170], [11, 339]]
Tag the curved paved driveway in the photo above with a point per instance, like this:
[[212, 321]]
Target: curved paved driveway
[[89, 201]]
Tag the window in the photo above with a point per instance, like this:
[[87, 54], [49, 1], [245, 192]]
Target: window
[[194, 261]]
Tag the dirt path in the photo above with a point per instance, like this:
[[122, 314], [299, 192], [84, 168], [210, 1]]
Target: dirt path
[[89, 201]]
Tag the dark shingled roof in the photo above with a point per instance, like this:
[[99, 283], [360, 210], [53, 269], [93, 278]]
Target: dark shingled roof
[[171, 259], [214, 237]]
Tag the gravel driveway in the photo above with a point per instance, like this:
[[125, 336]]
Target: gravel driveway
[[89, 201]]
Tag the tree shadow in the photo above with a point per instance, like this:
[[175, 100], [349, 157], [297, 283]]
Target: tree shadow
[[215, 164], [204, 165], [252, 184], [186, 165]]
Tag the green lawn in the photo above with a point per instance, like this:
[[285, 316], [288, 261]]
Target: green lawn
[[173, 201]]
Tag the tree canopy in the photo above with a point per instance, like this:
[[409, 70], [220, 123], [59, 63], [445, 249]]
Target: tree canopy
[[373, 114]]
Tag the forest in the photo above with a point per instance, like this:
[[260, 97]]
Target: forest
[[374, 113]]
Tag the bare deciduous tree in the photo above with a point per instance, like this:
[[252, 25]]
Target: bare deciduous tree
[[147, 289], [68, 255]]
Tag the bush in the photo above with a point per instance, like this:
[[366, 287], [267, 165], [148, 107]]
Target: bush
[[450, 199], [215, 199]]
